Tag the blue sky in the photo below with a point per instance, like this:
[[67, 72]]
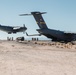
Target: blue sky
[[61, 15]]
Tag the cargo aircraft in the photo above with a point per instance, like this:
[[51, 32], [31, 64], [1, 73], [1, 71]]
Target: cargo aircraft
[[12, 29], [55, 35]]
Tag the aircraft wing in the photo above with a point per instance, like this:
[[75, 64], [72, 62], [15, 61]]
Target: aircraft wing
[[14, 28], [33, 34], [69, 33]]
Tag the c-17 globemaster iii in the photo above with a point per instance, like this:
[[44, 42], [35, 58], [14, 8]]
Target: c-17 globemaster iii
[[55, 35], [12, 29]]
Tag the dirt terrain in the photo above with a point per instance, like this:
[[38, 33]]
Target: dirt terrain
[[37, 58]]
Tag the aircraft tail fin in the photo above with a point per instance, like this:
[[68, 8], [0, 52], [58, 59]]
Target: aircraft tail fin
[[39, 19]]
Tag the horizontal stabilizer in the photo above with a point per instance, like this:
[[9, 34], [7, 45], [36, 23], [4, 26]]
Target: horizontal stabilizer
[[25, 14], [33, 13], [38, 13]]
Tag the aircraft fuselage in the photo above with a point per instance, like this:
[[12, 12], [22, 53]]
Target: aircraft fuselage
[[10, 29], [57, 35]]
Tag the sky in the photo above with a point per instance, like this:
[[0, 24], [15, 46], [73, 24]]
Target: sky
[[61, 15]]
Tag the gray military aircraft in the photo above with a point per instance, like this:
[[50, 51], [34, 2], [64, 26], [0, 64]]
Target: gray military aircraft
[[11, 29], [55, 35]]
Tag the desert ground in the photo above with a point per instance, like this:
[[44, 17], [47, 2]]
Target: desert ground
[[37, 58]]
